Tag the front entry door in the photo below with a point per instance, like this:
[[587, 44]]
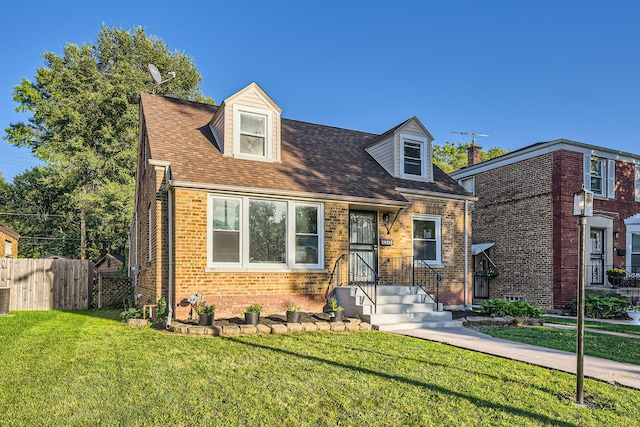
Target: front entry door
[[596, 261], [363, 246]]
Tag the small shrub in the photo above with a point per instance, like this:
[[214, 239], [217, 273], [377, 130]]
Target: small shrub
[[502, 307], [254, 308], [609, 306], [132, 313]]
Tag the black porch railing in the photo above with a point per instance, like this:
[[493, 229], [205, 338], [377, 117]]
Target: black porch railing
[[357, 273], [408, 271], [599, 274]]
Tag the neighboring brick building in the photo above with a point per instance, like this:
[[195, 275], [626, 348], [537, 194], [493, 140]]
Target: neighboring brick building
[[244, 206], [9, 239], [110, 265], [524, 221]]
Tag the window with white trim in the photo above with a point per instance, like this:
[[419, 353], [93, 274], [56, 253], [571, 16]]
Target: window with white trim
[[252, 133], [600, 176], [637, 183], [413, 156], [7, 248], [261, 233], [427, 238], [635, 252]]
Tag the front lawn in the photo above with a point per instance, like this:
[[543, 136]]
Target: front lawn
[[87, 369], [594, 324], [612, 347]]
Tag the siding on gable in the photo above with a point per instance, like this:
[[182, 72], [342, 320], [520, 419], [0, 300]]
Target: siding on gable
[[383, 154], [218, 132], [411, 128]]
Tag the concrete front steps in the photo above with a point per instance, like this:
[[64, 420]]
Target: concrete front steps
[[398, 307]]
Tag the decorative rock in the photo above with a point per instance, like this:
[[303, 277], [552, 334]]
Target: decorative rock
[[216, 331], [230, 331], [137, 323], [180, 328], [364, 326], [309, 327], [263, 329], [196, 330], [337, 326], [355, 320], [248, 329], [295, 328], [279, 329], [324, 326], [351, 327]]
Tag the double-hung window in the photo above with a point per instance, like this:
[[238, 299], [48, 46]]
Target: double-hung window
[[252, 133], [413, 156], [261, 233], [600, 176], [427, 238]]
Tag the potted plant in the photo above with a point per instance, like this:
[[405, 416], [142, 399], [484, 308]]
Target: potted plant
[[493, 272], [634, 313], [615, 276], [206, 313], [335, 311], [293, 313], [252, 314]]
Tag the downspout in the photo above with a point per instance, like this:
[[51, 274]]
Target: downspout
[[170, 248], [466, 254]]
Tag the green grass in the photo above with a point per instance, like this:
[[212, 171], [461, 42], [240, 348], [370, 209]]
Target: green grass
[[620, 349], [594, 324], [87, 369]]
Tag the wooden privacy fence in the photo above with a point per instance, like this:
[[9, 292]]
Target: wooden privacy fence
[[47, 284]]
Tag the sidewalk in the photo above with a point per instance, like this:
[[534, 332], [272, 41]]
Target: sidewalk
[[602, 369]]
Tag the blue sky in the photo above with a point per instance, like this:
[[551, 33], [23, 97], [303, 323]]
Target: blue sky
[[520, 71]]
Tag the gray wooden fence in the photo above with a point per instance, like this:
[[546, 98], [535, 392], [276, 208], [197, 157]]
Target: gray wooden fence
[[47, 284]]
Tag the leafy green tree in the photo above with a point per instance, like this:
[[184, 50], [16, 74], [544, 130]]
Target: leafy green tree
[[84, 108], [453, 156]]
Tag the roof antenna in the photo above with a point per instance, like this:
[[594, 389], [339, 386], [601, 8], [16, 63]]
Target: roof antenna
[[157, 77], [473, 135]]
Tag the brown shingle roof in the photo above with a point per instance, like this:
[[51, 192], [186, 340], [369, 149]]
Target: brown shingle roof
[[315, 158]]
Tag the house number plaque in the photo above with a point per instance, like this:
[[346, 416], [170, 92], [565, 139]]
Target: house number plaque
[[386, 242]]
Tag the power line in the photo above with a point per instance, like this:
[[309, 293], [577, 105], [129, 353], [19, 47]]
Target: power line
[[28, 214]]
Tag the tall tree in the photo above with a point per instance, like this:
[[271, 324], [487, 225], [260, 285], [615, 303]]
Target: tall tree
[[453, 156], [84, 109]]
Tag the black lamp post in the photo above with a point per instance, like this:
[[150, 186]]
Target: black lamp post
[[582, 207]]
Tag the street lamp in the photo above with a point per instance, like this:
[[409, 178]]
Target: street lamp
[[582, 207]]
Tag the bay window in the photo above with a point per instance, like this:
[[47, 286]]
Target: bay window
[[260, 233]]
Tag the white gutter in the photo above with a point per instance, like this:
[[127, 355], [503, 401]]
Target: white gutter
[[466, 253]]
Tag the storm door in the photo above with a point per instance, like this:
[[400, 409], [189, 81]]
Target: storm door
[[596, 257], [363, 247]]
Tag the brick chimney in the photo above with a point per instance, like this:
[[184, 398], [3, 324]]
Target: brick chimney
[[474, 153]]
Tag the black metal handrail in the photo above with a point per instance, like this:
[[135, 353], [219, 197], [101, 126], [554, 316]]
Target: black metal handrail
[[411, 272], [365, 286], [597, 275], [335, 273]]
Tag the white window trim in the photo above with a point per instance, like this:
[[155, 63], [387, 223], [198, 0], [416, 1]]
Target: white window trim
[[244, 265], [608, 176], [423, 156], [637, 183], [632, 224], [268, 149], [438, 220]]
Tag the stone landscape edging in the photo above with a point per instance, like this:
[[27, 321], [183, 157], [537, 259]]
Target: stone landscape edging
[[353, 325]]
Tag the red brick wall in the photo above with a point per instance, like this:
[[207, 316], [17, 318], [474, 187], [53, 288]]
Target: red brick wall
[[515, 211]]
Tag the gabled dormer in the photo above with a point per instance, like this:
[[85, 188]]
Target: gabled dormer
[[247, 126], [405, 151]]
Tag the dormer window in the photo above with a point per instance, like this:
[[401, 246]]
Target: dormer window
[[253, 130], [252, 133], [413, 156]]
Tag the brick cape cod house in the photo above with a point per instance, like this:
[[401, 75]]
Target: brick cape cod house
[[243, 206], [523, 220]]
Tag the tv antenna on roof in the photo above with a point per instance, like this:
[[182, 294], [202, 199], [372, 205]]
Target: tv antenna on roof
[[473, 135], [157, 77]]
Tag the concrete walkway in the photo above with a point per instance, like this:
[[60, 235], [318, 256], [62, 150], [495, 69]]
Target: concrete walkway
[[602, 369]]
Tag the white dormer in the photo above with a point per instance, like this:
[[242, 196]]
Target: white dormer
[[247, 126], [405, 151]]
